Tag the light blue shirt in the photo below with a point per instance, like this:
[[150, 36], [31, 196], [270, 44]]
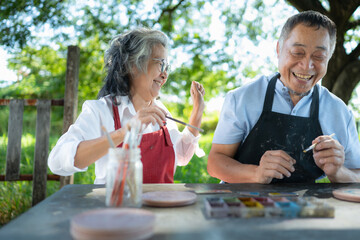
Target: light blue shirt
[[243, 106]]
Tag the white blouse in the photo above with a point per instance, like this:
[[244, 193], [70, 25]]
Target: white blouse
[[97, 113]]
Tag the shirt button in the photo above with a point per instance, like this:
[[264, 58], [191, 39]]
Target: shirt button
[[151, 147]]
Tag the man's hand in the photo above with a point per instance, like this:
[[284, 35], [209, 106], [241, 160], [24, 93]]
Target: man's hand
[[274, 164], [329, 155]]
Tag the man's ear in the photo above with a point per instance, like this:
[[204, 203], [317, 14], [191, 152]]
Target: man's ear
[[278, 49]]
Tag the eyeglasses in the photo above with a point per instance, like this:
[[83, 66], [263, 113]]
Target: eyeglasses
[[165, 67]]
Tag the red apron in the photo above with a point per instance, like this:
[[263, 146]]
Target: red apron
[[157, 154]]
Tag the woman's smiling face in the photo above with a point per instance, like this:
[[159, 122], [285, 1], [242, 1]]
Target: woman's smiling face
[[148, 85], [303, 57]]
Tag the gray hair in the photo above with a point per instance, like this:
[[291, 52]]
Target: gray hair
[[128, 50], [310, 19]]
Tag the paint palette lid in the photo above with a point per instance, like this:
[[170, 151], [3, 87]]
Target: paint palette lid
[[168, 198], [347, 194], [113, 223]]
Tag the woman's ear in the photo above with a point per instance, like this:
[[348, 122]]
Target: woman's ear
[[134, 70]]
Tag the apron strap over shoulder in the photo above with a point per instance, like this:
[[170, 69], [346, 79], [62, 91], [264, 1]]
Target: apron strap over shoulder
[[269, 97], [314, 109]]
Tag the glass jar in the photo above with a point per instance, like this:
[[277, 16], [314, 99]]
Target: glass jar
[[124, 178]]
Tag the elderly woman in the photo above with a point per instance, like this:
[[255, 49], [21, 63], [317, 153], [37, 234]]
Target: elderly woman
[[137, 68]]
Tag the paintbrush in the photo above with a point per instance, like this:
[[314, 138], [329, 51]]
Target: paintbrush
[[186, 124], [108, 137], [314, 145]]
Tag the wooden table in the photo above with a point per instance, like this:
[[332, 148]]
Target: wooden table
[[50, 219]]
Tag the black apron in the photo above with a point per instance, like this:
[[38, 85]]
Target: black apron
[[292, 134]]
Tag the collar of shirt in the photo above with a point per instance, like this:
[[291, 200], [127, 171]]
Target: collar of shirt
[[284, 93], [126, 107]]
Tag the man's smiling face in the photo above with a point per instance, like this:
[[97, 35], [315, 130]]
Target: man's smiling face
[[303, 57]]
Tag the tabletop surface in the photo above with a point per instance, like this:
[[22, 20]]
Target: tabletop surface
[[50, 219]]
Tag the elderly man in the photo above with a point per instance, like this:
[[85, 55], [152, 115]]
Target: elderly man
[[265, 125]]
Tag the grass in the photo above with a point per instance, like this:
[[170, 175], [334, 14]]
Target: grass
[[15, 198]]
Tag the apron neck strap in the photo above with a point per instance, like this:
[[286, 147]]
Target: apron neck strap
[[269, 98], [314, 109], [117, 123], [270, 91]]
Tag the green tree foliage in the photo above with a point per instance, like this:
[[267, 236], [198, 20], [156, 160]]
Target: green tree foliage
[[189, 24], [21, 18], [40, 73], [92, 25]]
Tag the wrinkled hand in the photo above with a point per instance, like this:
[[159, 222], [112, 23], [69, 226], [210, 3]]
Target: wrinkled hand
[[152, 114], [197, 93], [274, 164], [328, 154]]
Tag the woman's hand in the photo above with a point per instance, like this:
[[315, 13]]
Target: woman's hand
[[197, 93], [152, 114]]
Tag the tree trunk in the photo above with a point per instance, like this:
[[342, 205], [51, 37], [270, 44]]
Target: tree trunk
[[347, 81]]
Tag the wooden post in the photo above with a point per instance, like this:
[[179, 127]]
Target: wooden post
[[41, 150], [71, 95], [13, 152]]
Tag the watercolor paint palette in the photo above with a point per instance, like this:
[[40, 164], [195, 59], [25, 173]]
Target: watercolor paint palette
[[249, 207]]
